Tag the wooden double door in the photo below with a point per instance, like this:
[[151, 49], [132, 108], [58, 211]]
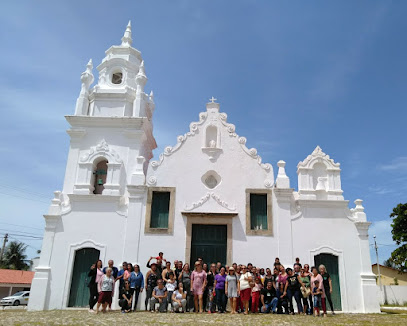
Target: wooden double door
[[331, 263], [209, 242], [79, 292]]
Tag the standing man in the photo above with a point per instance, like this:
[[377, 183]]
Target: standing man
[[115, 271]]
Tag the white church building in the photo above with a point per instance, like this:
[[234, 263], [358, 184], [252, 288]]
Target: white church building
[[208, 195]]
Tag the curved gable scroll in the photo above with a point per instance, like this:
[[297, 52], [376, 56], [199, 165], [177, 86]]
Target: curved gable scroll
[[101, 149], [318, 156], [230, 128]]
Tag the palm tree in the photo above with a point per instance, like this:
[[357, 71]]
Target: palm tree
[[15, 255]]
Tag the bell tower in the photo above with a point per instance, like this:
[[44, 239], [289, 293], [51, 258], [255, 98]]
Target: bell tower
[[111, 131]]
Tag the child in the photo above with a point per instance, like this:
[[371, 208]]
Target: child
[[317, 293], [256, 295]]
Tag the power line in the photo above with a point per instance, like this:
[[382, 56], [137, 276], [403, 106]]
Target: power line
[[28, 198], [24, 243], [25, 190], [23, 226], [28, 233], [26, 236]]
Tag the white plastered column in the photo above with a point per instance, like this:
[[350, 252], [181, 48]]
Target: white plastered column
[[282, 212], [370, 295], [39, 297]]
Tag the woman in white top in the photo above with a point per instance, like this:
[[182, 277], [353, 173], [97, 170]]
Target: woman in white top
[[106, 290], [171, 285], [179, 298], [244, 288]]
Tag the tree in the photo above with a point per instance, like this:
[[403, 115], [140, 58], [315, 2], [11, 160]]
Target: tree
[[399, 232], [14, 256]]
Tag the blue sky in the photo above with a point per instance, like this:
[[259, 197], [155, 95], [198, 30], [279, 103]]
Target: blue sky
[[291, 75]]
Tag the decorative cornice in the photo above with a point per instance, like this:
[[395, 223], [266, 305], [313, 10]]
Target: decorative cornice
[[319, 156], [119, 122], [205, 198], [101, 149]]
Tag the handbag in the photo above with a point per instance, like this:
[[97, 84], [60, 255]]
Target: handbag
[[306, 292]]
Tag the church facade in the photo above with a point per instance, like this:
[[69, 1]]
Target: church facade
[[206, 196]]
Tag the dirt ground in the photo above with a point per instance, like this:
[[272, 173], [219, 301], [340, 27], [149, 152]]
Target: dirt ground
[[83, 317]]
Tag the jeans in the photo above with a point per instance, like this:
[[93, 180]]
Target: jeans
[[270, 306], [297, 296], [136, 292], [221, 300], [169, 299], [328, 297], [93, 295], [163, 304], [176, 305]]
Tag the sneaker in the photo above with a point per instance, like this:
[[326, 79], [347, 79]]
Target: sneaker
[[209, 312]]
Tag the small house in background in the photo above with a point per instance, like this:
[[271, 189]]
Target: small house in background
[[389, 276], [12, 281]]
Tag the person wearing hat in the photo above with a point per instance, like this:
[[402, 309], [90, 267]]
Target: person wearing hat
[[152, 276], [231, 290]]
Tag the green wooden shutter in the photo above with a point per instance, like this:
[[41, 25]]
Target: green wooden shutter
[[79, 293], [258, 211], [160, 208]]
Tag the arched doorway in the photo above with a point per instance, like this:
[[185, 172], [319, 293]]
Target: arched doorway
[[331, 263], [79, 292]]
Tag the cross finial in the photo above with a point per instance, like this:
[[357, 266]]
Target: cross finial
[[212, 99]]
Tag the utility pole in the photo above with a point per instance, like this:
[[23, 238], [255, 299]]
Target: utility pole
[[4, 246], [377, 263]]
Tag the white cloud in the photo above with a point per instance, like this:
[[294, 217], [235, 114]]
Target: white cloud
[[398, 164]]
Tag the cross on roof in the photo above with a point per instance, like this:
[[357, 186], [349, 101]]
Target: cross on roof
[[212, 99]]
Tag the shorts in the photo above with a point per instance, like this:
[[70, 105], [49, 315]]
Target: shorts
[[105, 297], [245, 294]]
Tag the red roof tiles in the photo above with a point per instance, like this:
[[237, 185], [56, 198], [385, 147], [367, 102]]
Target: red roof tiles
[[16, 277]]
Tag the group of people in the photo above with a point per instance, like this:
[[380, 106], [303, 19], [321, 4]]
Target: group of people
[[207, 288]]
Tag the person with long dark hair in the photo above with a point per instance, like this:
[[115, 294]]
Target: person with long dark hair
[[185, 278], [293, 289], [136, 284], [95, 271]]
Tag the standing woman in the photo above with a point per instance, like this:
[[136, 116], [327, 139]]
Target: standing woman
[[282, 277], [198, 283], [95, 274], [231, 289], [292, 289], [221, 299], [185, 278], [127, 272], [210, 280], [306, 279], [152, 277], [106, 290], [205, 294], [269, 278], [244, 288], [317, 277], [327, 286], [136, 284], [311, 301], [166, 272]]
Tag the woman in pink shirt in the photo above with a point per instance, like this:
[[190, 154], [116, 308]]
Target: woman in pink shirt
[[315, 276], [198, 284]]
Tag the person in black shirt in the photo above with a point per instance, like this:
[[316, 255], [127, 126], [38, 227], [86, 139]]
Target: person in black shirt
[[268, 298], [327, 282], [125, 297], [92, 285], [292, 289]]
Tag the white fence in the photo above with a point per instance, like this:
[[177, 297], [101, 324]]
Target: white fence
[[393, 294]]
